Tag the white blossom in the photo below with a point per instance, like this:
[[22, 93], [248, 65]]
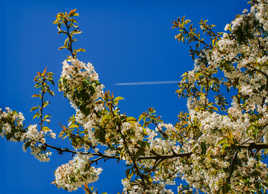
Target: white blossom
[[76, 173]]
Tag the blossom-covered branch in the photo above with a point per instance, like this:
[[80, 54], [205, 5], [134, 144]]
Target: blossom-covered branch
[[218, 146]]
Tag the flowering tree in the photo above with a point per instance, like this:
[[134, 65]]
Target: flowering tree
[[218, 146]]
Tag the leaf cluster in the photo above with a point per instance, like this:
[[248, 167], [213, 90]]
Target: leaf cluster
[[43, 82], [68, 25]]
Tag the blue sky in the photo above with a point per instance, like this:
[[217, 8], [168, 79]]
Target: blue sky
[[127, 41]]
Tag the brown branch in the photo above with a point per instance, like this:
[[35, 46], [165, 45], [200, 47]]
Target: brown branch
[[159, 157], [70, 47], [231, 169], [260, 71], [128, 151], [67, 32], [42, 102], [132, 158], [258, 146], [101, 155], [250, 146]]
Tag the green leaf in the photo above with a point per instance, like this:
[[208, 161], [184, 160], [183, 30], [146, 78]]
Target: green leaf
[[187, 21], [34, 108], [131, 119], [73, 125], [72, 12], [45, 104], [213, 42], [47, 116], [118, 98], [80, 50], [46, 129], [36, 115], [44, 72], [36, 95], [61, 133], [151, 110], [76, 32], [62, 47], [66, 43]]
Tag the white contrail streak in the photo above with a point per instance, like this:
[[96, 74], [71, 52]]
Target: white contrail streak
[[146, 83]]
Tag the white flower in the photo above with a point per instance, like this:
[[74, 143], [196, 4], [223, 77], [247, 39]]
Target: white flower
[[76, 173], [52, 135], [32, 132], [227, 27]]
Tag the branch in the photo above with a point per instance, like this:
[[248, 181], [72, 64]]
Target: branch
[[251, 146], [159, 157], [42, 103], [257, 146], [260, 71], [70, 47], [132, 158], [125, 143], [231, 169], [101, 155]]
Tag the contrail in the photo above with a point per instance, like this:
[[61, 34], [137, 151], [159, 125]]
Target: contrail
[[146, 83]]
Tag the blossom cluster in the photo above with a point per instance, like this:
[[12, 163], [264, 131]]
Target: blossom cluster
[[214, 151], [136, 189], [12, 128], [76, 173], [80, 84], [247, 51], [11, 125], [261, 13], [220, 159]]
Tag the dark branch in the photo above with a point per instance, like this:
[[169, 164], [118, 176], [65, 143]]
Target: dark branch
[[61, 150], [251, 146], [159, 157]]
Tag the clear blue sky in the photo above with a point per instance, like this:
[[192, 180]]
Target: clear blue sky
[[127, 41]]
